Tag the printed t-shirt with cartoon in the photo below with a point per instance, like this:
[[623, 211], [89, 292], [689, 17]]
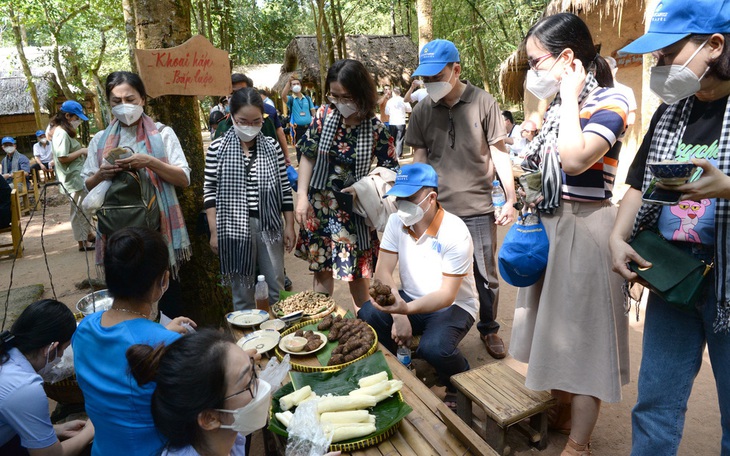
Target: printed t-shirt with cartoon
[[688, 221]]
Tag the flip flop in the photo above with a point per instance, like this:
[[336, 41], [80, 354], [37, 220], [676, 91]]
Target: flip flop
[[450, 401]]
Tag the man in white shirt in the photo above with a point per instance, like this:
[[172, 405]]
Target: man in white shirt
[[627, 91], [416, 93], [396, 109], [42, 153], [438, 298]]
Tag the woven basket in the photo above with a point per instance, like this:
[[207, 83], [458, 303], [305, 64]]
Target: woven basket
[[65, 392], [319, 368]]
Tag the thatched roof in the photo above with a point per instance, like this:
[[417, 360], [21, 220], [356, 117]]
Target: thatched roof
[[15, 97], [513, 70], [390, 58]]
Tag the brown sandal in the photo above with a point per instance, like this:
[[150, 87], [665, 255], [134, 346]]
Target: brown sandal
[[572, 448]]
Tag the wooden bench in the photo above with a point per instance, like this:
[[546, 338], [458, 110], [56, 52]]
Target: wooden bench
[[15, 247], [501, 393], [21, 187]]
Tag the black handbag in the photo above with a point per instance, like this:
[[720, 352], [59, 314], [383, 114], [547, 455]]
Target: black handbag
[[674, 275]]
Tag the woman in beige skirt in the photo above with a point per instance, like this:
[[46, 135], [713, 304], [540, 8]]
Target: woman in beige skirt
[[570, 326]]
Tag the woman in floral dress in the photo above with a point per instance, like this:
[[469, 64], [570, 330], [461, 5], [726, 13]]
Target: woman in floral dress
[[337, 151]]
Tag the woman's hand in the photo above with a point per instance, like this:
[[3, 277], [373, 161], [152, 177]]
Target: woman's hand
[[621, 255], [136, 161], [214, 242], [70, 428], [290, 238], [176, 325], [303, 211], [107, 171], [712, 184], [574, 77]]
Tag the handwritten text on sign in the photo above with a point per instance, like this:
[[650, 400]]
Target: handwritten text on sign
[[193, 68]]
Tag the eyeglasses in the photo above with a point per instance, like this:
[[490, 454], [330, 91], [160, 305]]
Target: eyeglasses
[[339, 99], [452, 133], [253, 384], [255, 123], [533, 63]]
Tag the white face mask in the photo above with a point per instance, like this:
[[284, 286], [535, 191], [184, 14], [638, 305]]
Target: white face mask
[[438, 90], [346, 109], [246, 132], [542, 83], [127, 113], [75, 124], [43, 141], [252, 416], [410, 213], [672, 83], [45, 371], [9, 149], [296, 88]]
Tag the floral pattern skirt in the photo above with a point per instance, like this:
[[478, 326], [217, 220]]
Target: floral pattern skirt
[[329, 241]]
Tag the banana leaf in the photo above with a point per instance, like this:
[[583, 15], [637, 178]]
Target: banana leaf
[[388, 412]]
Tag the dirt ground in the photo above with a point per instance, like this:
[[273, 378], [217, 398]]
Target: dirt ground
[[612, 434]]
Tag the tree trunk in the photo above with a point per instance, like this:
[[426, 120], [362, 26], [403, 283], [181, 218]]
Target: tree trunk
[[327, 42], [321, 55], [392, 17], [424, 12], [341, 36], [337, 28], [59, 69], [101, 107], [163, 24], [481, 56], [18, 38], [130, 31]]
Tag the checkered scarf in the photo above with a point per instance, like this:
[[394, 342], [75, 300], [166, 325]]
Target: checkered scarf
[[363, 159], [669, 130], [235, 243], [10, 163], [542, 153], [172, 223]]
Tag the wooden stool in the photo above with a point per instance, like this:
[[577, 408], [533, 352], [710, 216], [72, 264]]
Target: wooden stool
[[502, 394], [15, 246], [20, 184]]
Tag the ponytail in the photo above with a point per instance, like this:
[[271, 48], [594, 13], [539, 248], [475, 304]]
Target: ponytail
[[603, 73], [144, 361]]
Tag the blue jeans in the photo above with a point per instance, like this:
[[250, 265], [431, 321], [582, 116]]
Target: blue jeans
[[673, 345], [484, 236], [441, 332]]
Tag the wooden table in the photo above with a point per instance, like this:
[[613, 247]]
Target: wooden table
[[431, 429]]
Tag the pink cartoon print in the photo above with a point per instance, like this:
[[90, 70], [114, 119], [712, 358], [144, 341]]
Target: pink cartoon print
[[689, 213]]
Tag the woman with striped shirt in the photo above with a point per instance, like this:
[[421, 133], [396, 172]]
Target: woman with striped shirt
[[570, 326], [246, 191]]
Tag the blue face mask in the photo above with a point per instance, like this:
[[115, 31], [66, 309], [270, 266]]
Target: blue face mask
[[228, 109]]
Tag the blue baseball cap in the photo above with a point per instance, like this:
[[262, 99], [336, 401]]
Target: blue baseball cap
[[523, 257], [411, 178], [40, 133], [8, 139], [74, 107], [434, 56], [674, 20]]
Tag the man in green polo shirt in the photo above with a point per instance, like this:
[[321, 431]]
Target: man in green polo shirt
[[460, 132]]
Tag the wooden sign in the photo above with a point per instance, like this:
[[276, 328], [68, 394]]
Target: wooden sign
[[193, 68], [627, 60]]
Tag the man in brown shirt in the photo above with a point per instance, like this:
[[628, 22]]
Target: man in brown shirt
[[459, 131]]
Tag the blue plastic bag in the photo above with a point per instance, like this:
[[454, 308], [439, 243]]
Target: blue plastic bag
[[293, 176]]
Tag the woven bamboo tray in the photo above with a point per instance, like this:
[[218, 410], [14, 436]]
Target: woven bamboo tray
[[310, 363]]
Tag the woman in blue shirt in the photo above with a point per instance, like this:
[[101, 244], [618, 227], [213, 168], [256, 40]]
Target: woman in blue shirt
[[34, 344], [137, 275]]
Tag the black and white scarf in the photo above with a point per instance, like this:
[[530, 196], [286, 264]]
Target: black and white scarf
[[543, 154], [235, 243], [363, 160], [669, 130]]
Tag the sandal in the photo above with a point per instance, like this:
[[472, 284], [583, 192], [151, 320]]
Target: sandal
[[450, 401], [560, 417], [572, 448]]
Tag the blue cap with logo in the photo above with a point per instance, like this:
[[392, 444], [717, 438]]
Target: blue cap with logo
[[434, 56], [40, 133], [523, 257], [674, 20], [8, 140], [411, 178], [74, 107]]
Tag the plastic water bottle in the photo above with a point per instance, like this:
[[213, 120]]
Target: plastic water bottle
[[261, 294], [498, 199], [404, 356]]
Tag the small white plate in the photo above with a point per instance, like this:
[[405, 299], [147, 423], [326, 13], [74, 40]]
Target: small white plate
[[247, 318], [283, 348], [261, 341]]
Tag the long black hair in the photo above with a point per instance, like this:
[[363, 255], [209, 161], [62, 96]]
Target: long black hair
[[38, 326], [359, 83], [190, 374], [567, 31]]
